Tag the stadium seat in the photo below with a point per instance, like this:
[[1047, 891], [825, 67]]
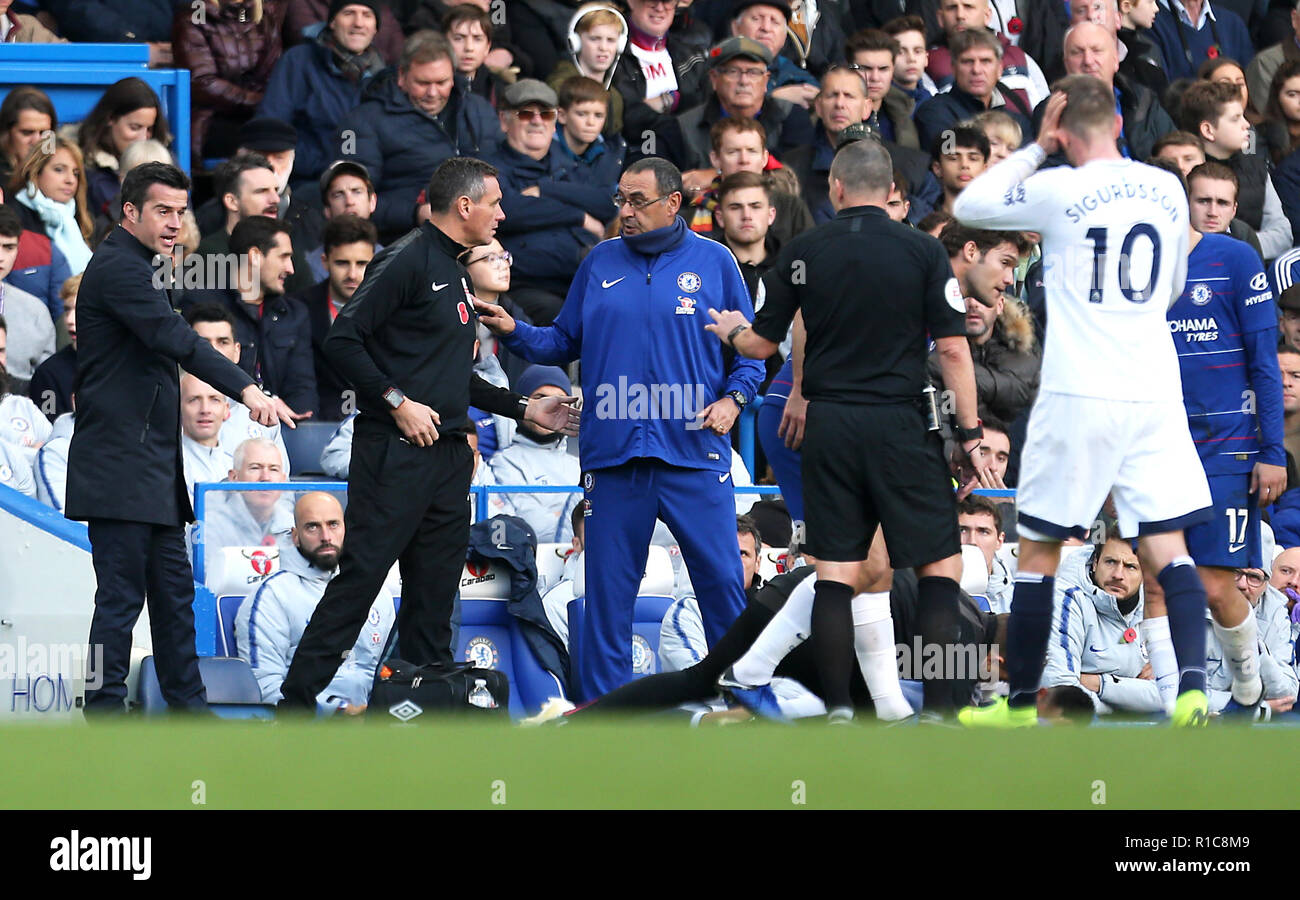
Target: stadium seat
[[227, 608], [242, 569], [550, 562], [771, 562], [486, 638], [658, 578], [647, 618], [304, 445], [484, 581], [974, 571], [393, 583], [232, 690]]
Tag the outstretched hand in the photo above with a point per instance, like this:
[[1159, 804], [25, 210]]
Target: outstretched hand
[[494, 317], [554, 413]]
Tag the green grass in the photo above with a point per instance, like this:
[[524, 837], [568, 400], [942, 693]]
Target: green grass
[[636, 765]]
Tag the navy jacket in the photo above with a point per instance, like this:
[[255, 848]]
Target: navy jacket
[[275, 349], [401, 145], [545, 234], [125, 458], [307, 91], [114, 21], [944, 111]]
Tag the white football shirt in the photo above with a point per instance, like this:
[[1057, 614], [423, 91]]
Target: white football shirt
[[1114, 239]]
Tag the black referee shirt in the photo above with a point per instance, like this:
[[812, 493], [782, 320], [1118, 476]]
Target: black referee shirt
[[870, 290], [411, 325]]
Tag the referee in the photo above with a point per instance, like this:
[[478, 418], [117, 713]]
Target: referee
[[871, 291], [406, 341]]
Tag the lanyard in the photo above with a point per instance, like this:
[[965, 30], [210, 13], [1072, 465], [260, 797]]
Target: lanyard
[[1182, 38]]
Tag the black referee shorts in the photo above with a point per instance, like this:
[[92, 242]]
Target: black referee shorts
[[865, 466]]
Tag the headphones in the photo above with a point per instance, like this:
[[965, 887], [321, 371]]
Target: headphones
[[575, 42]]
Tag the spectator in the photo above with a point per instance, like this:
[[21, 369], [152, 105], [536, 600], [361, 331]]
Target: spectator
[[765, 21], [1003, 134], [1212, 199], [1215, 113], [1288, 357], [1001, 333], [16, 28], [896, 204], [1182, 148], [597, 38], [658, 77], [1186, 151], [872, 54], [318, 82], [1188, 32], [30, 331], [468, 28], [814, 35], [553, 213], [910, 76], [15, 471], [22, 426], [345, 189], [739, 80], [738, 146], [204, 410], [128, 111], [409, 122], [1018, 74], [230, 52], [49, 194], [349, 247], [572, 583], [957, 156], [271, 328], [581, 138], [489, 269], [975, 87], [245, 186], [247, 518], [538, 456], [118, 22], [1269, 606], [745, 215], [305, 20], [979, 522], [1288, 302], [51, 470], [1091, 50], [1281, 128], [1286, 575], [504, 55], [214, 323], [25, 115], [270, 623], [1262, 69], [1223, 70], [1142, 60], [1097, 611], [841, 106], [52, 382]]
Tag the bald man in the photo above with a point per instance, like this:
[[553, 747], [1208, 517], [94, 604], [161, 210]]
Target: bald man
[[271, 622], [204, 410], [1092, 49]]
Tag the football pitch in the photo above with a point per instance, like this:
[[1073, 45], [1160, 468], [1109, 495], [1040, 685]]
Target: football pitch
[[637, 764]]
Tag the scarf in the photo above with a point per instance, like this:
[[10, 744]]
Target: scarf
[[355, 67], [60, 221], [652, 243]]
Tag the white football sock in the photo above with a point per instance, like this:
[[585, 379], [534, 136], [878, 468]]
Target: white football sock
[[873, 641], [1164, 664], [1241, 656], [788, 629]]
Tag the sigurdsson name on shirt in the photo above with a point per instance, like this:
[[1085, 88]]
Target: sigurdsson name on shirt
[[1097, 197]]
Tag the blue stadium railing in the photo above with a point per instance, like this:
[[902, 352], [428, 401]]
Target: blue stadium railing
[[75, 75]]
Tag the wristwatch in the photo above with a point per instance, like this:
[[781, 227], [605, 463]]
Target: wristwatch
[[739, 398], [965, 435], [394, 397], [523, 407]]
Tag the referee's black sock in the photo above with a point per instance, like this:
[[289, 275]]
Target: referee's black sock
[[1027, 633], [832, 639], [937, 620]]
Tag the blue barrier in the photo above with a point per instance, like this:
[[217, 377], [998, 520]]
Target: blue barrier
[[75, 76]]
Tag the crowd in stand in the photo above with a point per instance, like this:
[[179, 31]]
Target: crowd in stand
[[318, 123]]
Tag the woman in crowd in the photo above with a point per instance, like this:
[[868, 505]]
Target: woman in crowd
[[49, 194], [129, 111], [25, 115]]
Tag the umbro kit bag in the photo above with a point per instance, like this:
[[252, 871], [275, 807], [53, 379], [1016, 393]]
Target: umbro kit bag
[[406, 692]]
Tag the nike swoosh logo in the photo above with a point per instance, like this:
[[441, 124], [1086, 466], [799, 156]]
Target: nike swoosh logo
[[1236, 548], [1093, 649], [723, 477], [438, 287], [610, 284]]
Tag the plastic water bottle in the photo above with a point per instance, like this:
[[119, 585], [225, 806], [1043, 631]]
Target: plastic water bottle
[[480, 696]]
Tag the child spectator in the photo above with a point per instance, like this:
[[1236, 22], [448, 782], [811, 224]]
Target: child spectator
[[468, 29], [1143, 61], [583, 116], [597, 37], [1003, 134]]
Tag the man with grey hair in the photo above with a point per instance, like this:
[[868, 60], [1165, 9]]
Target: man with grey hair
[[246, 518], [409, 122], [661, 398], [869, 459], [410, 329]]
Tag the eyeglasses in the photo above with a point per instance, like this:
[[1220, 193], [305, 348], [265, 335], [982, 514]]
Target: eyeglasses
[[528, 115], [637, 202], [742, 74], [1254, 579], [493, 259]]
